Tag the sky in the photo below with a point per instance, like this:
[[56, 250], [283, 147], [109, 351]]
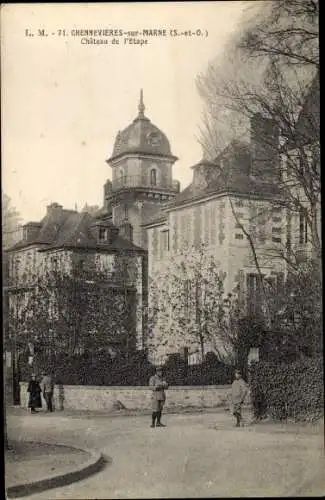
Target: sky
[[63, 102]]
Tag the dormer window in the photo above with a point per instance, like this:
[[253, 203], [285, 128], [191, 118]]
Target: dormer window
[[102, 234]]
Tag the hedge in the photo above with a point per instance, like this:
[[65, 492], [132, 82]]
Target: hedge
[[282, 391], [132, 371]]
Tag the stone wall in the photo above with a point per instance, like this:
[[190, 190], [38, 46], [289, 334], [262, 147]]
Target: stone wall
[[133, 398]]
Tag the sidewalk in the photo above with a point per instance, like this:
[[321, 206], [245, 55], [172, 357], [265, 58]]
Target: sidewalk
[[25, 458]]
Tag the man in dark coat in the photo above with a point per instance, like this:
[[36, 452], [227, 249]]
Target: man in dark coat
[[239, 390], [34, 389], [158, 387]]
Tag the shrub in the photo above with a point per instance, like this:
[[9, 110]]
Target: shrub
[[134, 370], [283, 391]]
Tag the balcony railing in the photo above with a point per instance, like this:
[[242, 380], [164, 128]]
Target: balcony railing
[[131, 181]]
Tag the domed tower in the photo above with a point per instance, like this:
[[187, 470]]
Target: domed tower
[[141, 175]]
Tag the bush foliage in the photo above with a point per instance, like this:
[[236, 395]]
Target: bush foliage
[[134, 370], [283, 391]]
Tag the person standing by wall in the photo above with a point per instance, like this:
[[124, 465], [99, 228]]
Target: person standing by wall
[[47, 387], [34, 389], [158, 387], [239, 390]]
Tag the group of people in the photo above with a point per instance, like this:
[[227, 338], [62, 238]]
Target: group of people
[[158, 385], [36, 389]]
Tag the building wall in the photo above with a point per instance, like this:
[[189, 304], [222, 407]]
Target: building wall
[[298, 231], [136, 171], [26, 265], [213, 223]]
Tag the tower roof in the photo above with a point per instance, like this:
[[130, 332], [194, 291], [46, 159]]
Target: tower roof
[[141, 137]]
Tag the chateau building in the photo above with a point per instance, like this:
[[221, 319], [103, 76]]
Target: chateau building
[[237, 206], [227, 199], [234, 206]]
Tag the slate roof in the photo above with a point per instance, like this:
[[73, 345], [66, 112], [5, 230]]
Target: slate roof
[[242, 185], [136, 139], [70, 229], [234, 178], [160, 217]]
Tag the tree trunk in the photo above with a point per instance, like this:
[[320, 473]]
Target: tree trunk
[[202, 347]]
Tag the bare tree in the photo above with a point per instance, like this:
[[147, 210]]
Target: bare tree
[[279, 82], [10, 222], [288, 30]]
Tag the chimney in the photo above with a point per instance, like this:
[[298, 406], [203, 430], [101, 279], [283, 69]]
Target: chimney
[[265, 157], [54, 208], [126, 231], [107, 189], [205, 173], [176, 185]]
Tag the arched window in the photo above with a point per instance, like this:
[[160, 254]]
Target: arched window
[[121, 178], [153, 177]]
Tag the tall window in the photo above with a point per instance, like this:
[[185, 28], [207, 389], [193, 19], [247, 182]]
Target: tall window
[[153, 177], [126, 212], [165, 240], [303, 227], [54, 263], [254, 294]]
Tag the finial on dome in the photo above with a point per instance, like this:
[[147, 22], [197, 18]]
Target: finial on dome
[[141, 106]]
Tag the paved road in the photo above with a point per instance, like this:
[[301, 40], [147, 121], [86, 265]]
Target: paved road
[[187, 459]]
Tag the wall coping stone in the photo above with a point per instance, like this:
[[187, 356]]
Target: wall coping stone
[[140, 387]]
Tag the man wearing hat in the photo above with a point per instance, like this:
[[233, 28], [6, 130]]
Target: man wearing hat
[[239, 391], [158, 387]]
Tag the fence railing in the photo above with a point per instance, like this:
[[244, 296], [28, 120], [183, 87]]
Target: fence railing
[[128, 181]]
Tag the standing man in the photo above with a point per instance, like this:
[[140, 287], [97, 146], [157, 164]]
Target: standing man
[[158, 387], [239, 390], [47, 387]]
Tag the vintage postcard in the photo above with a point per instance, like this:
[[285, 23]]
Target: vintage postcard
[[162, 250]]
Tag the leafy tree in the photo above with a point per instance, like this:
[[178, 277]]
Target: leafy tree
[[187, 302], [299, 311], [85, 309]]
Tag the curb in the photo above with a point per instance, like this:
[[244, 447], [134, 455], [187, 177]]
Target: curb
[[93, 465], [75, 413]]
